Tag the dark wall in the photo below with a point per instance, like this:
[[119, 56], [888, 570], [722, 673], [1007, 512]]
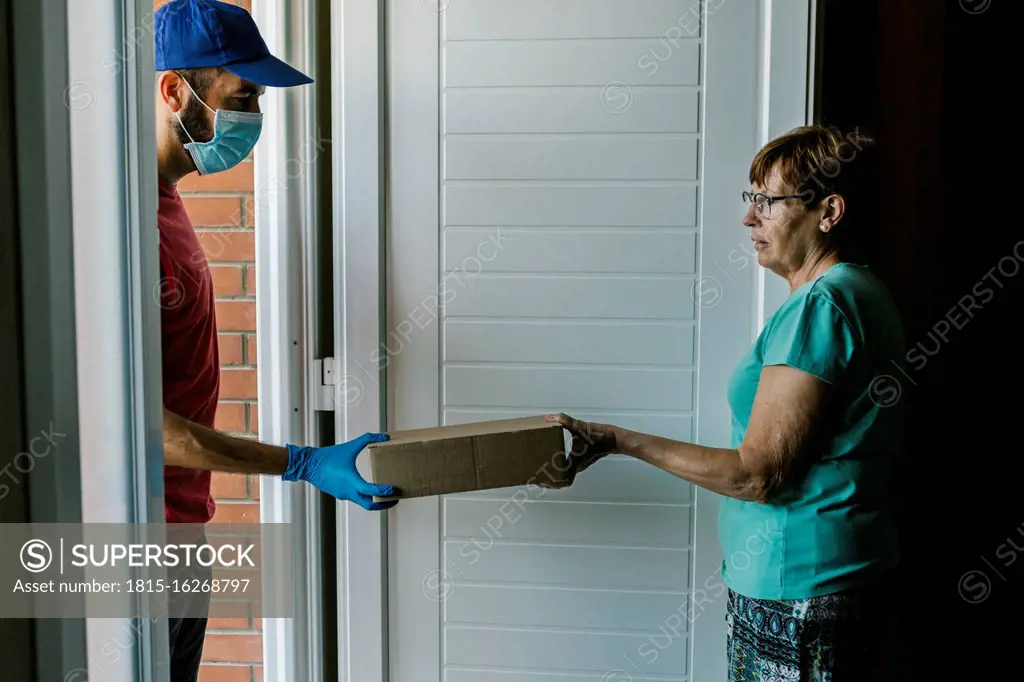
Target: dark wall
[[929, 78]]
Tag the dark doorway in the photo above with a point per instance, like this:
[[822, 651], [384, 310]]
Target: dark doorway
[[929, 78]]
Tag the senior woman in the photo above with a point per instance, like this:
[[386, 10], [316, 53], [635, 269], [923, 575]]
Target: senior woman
[[812, 448]]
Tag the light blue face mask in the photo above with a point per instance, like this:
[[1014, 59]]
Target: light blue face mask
[[235, 133]]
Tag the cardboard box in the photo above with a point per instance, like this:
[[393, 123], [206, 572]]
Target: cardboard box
[[466, 457]]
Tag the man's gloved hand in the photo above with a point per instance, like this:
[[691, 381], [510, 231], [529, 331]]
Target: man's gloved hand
[[332, 469]]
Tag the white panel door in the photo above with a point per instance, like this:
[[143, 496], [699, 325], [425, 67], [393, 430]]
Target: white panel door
[[564, 233]]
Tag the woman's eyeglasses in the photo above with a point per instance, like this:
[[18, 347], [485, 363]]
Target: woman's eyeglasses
[[764, 202]]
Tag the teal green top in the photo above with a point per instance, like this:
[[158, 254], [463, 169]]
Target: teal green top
[[831, 528]]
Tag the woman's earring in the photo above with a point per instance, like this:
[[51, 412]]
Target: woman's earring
[[824, 227]]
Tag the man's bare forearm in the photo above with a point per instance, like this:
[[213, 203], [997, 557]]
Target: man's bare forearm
[[189, 445]]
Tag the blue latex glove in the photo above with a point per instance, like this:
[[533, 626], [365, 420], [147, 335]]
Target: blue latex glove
[[332, 469]]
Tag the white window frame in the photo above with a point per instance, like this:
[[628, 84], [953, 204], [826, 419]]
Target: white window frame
[[86, 166], [40, 57], [788, 86]]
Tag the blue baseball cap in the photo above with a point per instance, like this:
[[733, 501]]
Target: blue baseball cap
[[196, 34]]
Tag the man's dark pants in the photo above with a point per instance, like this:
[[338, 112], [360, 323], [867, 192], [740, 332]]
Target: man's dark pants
[[185, 636]]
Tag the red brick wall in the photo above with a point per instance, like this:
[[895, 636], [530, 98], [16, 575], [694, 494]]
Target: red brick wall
[[221, 208]]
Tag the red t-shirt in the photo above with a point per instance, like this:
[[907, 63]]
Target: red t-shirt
[[191, 362]]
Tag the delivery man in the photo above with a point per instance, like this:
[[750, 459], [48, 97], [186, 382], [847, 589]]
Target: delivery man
[[212, 67]]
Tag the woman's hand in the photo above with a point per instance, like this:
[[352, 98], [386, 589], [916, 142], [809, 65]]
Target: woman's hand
[[590, 442]]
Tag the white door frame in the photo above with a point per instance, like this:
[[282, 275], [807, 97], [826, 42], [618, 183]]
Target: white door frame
[[286, 167], [287, 319], [358, 111], [413, 215]]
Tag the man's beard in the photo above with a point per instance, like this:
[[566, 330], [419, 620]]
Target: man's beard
[[194, 119]]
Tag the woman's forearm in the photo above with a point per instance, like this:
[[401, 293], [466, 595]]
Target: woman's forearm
[[189, 445], [719, 470]]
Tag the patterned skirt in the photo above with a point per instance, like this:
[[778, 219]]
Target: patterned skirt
[[845, 637]]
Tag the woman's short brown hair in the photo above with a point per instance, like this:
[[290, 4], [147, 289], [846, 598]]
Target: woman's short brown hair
[[816, 161]]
